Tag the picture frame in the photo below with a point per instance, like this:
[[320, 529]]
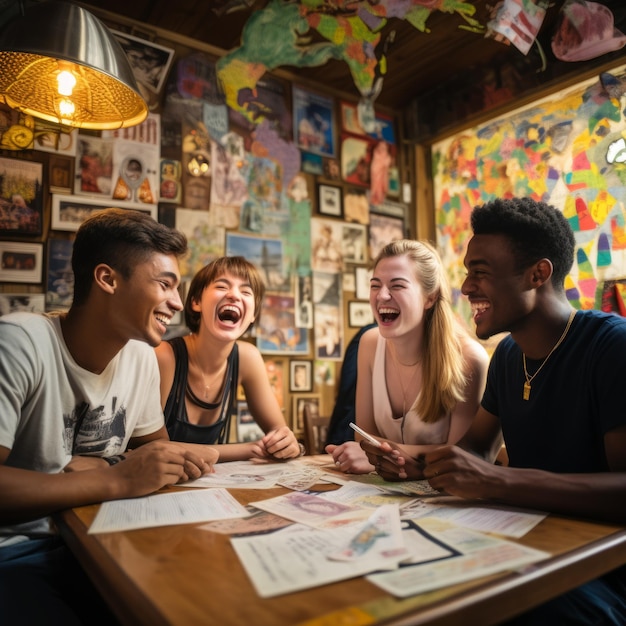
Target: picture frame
[[359, 314], [362, 276], [299, 401], [20, 262], [300, 376], [329, 200], [60, 173], [21, 197], [69, 212], [149, 62]]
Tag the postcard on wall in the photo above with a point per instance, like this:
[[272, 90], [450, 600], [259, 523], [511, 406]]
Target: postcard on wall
[[383, 230], [21, 197], [265, 253], [313, 122]]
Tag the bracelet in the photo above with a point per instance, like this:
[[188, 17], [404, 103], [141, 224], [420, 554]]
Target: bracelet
[[302, 449], [113, 460]]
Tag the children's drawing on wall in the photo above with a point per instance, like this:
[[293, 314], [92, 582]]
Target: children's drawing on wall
[[564, 150]]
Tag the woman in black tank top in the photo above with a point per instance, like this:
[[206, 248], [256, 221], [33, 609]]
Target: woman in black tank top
[[201, 372]]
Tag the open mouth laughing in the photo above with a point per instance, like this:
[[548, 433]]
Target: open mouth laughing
[[387, 314], [229, 313]]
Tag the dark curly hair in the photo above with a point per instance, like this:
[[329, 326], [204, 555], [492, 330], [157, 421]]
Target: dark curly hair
[[536, 231]]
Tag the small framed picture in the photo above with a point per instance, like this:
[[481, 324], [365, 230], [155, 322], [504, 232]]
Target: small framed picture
[[300, 376], [247, 429], [362, 276], [297, 413], [329, 200], [69, 212], [20, 262], [60, 173], [359, 314], [13, 302]]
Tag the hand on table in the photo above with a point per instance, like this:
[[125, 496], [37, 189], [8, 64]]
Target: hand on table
[[350, 458]]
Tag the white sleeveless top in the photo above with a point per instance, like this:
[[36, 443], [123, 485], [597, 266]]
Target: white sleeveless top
[[414, 430]]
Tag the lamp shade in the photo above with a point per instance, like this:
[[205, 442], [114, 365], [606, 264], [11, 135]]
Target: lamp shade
[[60, 63]]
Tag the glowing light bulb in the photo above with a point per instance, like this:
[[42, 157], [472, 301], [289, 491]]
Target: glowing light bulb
[[66, 108], [66, 82]]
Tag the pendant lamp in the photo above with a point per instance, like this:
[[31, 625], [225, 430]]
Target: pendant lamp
[[60, 63]]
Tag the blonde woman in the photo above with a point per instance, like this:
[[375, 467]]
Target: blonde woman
[[420, 375]]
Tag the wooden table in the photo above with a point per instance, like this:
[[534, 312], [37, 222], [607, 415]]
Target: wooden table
[[184, 575]]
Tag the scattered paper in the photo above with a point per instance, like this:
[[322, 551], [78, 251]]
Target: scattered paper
[[186, 507]]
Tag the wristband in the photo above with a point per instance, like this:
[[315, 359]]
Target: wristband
[[302, 449], [113, 460]]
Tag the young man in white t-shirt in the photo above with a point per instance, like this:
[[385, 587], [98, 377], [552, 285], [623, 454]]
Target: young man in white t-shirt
[[80, 416]]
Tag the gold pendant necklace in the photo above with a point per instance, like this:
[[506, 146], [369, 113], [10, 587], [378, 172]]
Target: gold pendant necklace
[[529, 379]]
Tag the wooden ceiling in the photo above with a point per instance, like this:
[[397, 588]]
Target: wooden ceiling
[[417, 61], [435, 78]]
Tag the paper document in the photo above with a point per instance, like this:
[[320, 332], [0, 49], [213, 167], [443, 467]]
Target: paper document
[[165, 509], [481, 555]]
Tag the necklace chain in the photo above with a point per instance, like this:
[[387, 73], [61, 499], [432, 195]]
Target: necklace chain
[[396, 362], [207, 386], [529, 379]]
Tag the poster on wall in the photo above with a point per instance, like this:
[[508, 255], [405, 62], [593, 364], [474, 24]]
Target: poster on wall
[[313, 122], [559, 150]]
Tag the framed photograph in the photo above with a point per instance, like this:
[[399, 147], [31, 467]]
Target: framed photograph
[[329, 200], [60, 173], [300, 376], [150, 64], [297, 411], [359, 314], [354, 243], [21, 197], [20, 262], [60, 279], [69, 212]]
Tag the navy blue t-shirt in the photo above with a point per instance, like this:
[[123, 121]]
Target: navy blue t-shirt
[[575, 399]]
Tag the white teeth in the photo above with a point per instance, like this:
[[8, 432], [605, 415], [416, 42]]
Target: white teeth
[[164, 320], [387, 311], [479, 307]]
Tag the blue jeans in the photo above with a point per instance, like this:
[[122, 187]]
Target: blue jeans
[[41, 583], [600, 602]]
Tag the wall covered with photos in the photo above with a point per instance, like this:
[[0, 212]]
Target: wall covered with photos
[[291, 180]]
